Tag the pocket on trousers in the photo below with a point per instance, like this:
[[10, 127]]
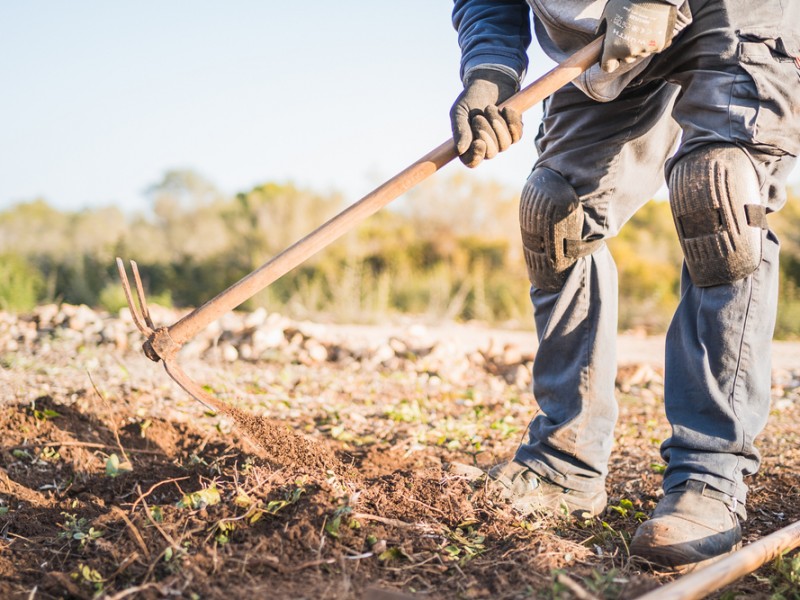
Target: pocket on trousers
[[765, 99]]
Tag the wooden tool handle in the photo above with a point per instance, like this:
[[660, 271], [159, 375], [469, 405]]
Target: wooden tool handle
[[703, 582], [297, 253]]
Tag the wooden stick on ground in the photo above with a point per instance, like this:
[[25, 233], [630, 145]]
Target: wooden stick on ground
[[734, 566]]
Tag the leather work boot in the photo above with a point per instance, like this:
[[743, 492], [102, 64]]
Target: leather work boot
[[692, 526], [528, 493]]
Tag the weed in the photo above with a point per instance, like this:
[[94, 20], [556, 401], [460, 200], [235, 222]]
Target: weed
[[406, 411], [393, 553], [115, 467], [144, 426], [505, 426], [625, 509], [21, 454], [476, 449], [223, 531], [273, 507], [333, 525], [79, 529], [465, 543], [49, 454], [785, 581], [200, 499], [44, 415], [86, 575], [600, 584], [291, 497], [157, 513]]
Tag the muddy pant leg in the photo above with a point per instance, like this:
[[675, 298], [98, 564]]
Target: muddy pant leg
[[612, 154]]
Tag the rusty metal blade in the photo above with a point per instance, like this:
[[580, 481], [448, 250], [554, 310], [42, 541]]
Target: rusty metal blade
[[193, 388]]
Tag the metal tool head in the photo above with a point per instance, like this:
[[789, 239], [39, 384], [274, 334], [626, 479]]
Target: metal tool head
[[159, 345]]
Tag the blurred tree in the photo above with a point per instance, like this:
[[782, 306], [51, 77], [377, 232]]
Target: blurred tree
[[450, 249], [272, 216], [187, 207]]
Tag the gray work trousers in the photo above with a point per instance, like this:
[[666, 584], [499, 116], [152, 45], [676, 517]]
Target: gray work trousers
[[729, 78]]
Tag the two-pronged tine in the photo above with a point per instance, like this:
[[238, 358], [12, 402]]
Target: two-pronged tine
[[140, 294], [141, 318], [159, 345]]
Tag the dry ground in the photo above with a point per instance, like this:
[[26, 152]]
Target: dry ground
[[114, 483]]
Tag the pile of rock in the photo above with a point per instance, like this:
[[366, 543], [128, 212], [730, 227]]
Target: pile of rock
[[262, 336], [259, 336]]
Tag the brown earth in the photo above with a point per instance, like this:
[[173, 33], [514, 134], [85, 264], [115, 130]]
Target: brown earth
[[327, 479]]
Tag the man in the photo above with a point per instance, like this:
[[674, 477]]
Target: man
[[720, 76]]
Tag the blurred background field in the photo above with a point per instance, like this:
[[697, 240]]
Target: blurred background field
[[449, 250], [250, 124]]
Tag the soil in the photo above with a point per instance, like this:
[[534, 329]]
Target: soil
[[325, 480]]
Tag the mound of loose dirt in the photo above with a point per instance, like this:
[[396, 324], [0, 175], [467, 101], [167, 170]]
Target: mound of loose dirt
[[287, 448]]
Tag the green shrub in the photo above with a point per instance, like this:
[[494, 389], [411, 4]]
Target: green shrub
[[21, 284]]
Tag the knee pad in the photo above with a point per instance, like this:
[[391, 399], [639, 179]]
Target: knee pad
[[551, 222], [716, 205]]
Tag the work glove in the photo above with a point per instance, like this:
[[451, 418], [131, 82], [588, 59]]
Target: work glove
[[480, 129], [635, 29]]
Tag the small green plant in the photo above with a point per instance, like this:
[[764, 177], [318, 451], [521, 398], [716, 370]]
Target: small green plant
[[333, 525], [223, 531], [22, 454], [200, 499], [406, 411], [625, 509], [47, 413], [464, 544], [115, 467], [78, 529], [290, 497], [273, 507], [143, 427], [505, 426], [49, 454], [476, 448], [393, 553], [785, 581], [600, 584], [157, 513], [86, 575]]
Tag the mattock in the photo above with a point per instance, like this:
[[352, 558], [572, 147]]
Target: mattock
[[163, 343]]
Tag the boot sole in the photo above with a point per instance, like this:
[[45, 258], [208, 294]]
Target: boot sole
[[674, 561]]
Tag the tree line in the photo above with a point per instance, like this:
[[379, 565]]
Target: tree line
[[449, 249]]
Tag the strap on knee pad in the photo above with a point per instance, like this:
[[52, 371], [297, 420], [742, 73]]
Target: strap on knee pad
[[715, 200], [551, 222]]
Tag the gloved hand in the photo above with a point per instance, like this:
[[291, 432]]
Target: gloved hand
[[480, 129], [634, 29]]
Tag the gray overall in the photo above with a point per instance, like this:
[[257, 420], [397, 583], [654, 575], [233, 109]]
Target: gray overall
[[729, 77]]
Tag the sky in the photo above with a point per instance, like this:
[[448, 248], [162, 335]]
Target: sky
[[99, 99]]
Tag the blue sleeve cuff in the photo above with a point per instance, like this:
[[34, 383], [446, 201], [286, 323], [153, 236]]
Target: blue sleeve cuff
[[493, 32]]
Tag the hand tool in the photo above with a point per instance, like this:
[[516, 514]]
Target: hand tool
[[163, 343]]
